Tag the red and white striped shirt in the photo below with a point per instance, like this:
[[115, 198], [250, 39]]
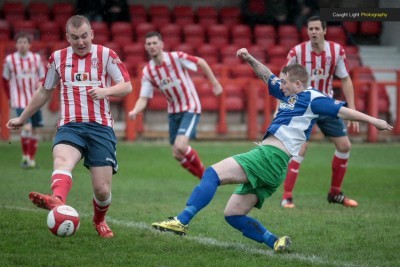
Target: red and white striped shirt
[[173, 80], [79, 74], [23, 75], [321, 67]]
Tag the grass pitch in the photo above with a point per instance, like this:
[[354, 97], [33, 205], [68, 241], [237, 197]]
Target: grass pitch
[[151, 186]]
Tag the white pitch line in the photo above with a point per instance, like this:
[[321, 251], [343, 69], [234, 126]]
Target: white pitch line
[[211, 241]]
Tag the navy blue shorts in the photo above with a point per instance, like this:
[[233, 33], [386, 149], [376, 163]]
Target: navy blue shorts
[[36, 120], [97, 143], [183, 123], [332, 127]]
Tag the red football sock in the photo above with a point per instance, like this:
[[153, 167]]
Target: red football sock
[[100, 209], [339, 167], [191, 168], [291, 177], [192, 156], [33, 144], [61, 183], [25, 144]]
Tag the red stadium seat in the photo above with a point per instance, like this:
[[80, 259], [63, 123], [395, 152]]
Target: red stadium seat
[[35, 9], [121, 30], [209, 53], [42, 48], [370, 28], [351, 27], [264, 35], [49, 31], [288, 36], [228, 51], [218, 35], [4, 30], [230, 15], [234, 94], [101, 31], [194, 34], [336, 34], [171, 34], [277, 54], [258, 52], [134, 49], [26, 26], [207, 15], [114, 46], [185, 47], [138, 14], [62, 9], [241, 35], [142, 29], [183, 15], [241, 71], [159, 15]]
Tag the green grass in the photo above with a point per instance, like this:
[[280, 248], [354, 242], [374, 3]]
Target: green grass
[[151, 186]]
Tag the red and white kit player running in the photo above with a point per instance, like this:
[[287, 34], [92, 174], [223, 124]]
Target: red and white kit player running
[[324, 59], [168, 72], [85, 72], [23, 73]]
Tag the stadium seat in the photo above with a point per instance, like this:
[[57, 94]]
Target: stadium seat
[[304, 34], [41, 48], [231, 61], [258, 53], [4, 30], [171, 34], [194, 34], [122, 40], [264, 35], [228, 51], [241, 35], [207, 15], [142, 29], [234, 94], [159, 15], [351, 27], [370, 28], [241, 71], [13, 11], [121, 29], [183, 15], [220, 70], [134, 49], [230, 15], [277, 53], [336, 34], [49, 31], [38, 11], [218, 35], [209, 53], [288, 36], [138, 14], [26, 26], [188, 48], [114, 46], [62, 9]]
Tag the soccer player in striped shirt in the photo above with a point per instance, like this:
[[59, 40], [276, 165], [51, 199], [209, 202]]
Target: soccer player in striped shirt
[[23, 73], [260, 171], [323, 59], [85, 72], [168, 72]]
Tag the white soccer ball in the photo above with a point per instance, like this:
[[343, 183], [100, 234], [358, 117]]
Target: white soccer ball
[[63, 221]]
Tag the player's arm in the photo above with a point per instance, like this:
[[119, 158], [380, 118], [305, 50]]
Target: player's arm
[[261, 70], [40, 97], [217, 88], [354, 115], [140, 105]]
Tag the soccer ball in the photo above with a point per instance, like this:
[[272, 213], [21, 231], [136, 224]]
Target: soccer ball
[[63, 221]]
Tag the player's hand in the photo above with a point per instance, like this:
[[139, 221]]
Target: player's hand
[[217, 89], [243, 53], [354, 125], [97, 93], [132, 114], [15, 124], [382, 125]]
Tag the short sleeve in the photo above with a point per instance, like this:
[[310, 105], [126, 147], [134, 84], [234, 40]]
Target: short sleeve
[[325, 105]]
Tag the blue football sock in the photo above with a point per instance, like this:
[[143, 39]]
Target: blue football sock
[[252, 229], [201, 195]]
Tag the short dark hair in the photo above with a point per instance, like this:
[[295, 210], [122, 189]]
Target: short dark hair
[[77, 21], [22, 35], [153, 34], [296, 72], [317, 18]]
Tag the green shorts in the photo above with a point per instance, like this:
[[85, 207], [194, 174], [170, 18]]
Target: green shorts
[[265, 167]]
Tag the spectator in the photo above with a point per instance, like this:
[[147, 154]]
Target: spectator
[[116, 10]]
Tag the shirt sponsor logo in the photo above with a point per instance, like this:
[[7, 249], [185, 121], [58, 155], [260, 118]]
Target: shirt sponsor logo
[[81, 76]]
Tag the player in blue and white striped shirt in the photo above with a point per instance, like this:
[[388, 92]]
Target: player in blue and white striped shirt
[[260, 171]]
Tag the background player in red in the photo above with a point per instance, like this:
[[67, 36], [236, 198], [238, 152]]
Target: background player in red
[[23, 73], [85, 72], [168, 72], [324, 59]]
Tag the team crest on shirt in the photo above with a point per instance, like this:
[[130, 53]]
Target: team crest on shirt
[[274, 80], [95, 63], [290, 103], [328, 60]]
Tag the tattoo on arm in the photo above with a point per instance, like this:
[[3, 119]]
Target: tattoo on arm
[[261, 70]]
